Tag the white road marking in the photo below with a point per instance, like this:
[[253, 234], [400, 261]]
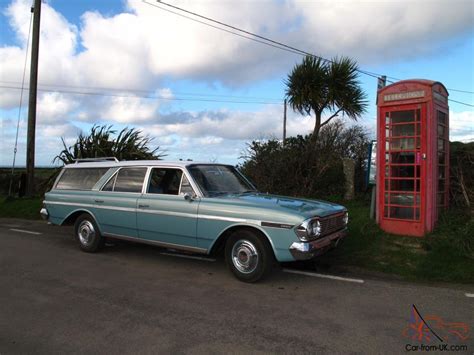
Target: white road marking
[[323, 276], [189, 257], [25, 231], [469, 294]]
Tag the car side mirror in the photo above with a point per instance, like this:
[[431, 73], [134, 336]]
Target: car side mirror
[[188, 197]]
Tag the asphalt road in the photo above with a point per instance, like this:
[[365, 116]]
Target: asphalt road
[[133, 299]]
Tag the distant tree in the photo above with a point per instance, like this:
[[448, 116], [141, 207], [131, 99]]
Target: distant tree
[[102, 141], [329, 86]]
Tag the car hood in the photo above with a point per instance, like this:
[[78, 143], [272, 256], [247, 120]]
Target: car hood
[[303, 207]]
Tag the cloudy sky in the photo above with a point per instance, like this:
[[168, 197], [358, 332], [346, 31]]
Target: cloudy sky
[[203, 93]]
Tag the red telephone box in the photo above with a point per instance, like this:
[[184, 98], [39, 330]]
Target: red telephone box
[[412, 156]]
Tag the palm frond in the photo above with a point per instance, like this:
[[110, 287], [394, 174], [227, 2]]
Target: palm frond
[[103, 141], [330, 86]]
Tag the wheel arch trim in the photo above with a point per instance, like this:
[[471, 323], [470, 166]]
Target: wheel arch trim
[[80, 211], [242, 225]]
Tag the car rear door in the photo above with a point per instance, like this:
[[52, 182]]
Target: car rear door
[[116, 204]]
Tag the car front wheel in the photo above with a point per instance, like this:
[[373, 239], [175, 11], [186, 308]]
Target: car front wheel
[[248, 256]]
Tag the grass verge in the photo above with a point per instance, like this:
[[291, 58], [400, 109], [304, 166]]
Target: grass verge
[[27, 208], [446, 254]]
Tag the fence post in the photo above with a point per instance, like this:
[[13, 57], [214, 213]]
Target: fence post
[[349, 172]]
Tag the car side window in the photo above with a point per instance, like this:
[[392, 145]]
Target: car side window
[[186, 187], [127, 180], [110, 184], [80, 178], [164, 181]]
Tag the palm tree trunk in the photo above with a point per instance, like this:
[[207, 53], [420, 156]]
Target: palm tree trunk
[[317, 127]]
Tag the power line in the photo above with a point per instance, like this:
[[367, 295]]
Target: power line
[[263, 40], [148, 91], [15, 149], [449, 89], [219, 28], [150, 97], [156, 97], [259, 100], [463, 91], [462, 103], [272, 43]]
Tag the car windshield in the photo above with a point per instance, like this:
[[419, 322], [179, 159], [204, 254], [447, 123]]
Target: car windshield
[[217, 180]]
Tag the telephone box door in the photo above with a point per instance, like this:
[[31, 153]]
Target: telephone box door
[[403, 166]]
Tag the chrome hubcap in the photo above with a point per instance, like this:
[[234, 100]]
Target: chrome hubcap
[[244, 256], [86, 233]]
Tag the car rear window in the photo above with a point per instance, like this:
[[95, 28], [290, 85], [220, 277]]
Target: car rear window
[[80, 178]]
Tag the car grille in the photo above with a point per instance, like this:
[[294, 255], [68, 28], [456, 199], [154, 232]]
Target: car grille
[[332, 223]]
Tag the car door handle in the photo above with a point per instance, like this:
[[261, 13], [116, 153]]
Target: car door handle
[[143, 206], [99, 201]]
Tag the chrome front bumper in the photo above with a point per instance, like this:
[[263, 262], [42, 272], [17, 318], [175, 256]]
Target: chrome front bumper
[[309, 250], [44, 213]]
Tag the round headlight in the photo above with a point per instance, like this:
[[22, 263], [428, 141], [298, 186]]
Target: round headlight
[[315, 228], [345, 219]]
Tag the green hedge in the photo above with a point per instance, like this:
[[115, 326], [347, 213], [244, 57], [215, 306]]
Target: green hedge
[[302, 168]]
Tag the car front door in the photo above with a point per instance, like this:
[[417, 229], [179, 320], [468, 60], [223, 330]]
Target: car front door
[[167, 211]]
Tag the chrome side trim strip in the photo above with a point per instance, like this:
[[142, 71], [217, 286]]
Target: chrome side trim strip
[[157, 243], [125, 209], [177, 214], [168, 213], [219, 218], [276, 225]]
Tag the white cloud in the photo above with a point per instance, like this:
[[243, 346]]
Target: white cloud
[[128, 109], [11, 75], [55, 106], [165, 93], [58, 41], [461, 126], [137, 48], [383, 30], [134, 49], [58, 131], [213, 127], [210, 140]]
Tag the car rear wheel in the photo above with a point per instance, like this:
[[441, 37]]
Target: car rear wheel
[[248, 256], [87, 234]]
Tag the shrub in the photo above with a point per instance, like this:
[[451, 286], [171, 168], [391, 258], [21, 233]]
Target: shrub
[[462, 174], [298, 168]]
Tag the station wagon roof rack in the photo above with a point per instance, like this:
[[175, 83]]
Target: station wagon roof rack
[[90, 160]]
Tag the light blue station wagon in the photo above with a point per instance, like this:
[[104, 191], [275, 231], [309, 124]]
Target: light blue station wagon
[[194, 207]]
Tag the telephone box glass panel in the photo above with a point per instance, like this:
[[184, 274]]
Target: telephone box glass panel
[[402, 170]]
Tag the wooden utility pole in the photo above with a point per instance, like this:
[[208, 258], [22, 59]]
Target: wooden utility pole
[[30, 138], [284, 123]]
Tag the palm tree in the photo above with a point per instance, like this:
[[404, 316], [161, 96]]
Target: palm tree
[[129, 144], [326, 86]]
